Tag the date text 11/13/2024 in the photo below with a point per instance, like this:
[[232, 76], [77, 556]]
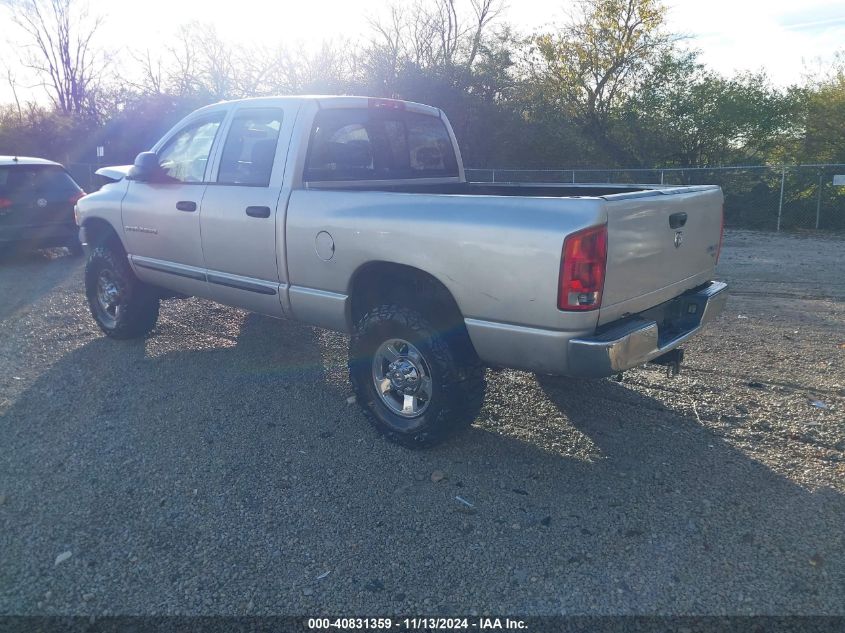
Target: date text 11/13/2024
[[415, 624]]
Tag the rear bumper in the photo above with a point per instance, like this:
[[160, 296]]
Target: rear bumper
[[44, 235], [637, 340]]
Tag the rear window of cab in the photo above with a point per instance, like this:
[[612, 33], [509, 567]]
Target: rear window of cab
[[378, 144]]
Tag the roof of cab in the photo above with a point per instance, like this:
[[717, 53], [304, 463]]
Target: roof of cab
[[328, 101], [25, 160]]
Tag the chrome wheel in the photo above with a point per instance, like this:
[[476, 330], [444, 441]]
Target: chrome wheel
[[402, 378], [108, 295]]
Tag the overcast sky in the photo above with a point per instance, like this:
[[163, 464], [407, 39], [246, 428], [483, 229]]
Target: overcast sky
[[780, 36]]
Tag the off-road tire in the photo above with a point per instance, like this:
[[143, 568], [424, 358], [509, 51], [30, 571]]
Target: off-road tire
[[457, 375], [136, 312]]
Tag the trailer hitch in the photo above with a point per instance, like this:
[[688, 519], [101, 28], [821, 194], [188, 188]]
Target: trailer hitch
[[672, 361]]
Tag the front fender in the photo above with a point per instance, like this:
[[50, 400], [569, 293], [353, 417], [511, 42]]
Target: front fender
[[99, 214]]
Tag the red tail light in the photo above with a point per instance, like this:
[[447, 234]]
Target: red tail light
[[582, 268], [5, 203], [721, 234]]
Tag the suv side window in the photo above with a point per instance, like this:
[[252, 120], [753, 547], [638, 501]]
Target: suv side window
[[185, 155], [376, 144], [250, 148]]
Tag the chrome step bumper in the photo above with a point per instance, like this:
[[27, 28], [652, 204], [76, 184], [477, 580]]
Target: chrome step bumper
[[638, 340]]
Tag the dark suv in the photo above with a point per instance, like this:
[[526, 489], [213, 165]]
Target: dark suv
[[37, 198]]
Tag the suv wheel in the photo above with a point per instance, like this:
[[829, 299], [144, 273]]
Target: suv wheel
[[415, 385], [121, 305]]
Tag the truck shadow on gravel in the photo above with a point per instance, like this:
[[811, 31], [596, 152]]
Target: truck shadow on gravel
[[43, 269], [203, 480]]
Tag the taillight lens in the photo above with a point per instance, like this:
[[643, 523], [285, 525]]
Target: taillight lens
[[582, 267], [721, 234], [5, 203]]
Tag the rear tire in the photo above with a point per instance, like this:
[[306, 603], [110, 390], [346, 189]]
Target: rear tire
[[122, 306], [416, 384]]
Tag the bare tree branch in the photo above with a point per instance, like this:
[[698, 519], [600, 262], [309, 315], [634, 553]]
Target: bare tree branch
[[59, 36]]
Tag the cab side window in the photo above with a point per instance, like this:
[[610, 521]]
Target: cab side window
[[185, 156], [250, 148]]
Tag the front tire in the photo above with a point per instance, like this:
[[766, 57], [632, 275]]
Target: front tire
[[416, 384], [122, 306]]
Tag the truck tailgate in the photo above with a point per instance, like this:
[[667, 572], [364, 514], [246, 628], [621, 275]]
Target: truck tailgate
[[659, 244]]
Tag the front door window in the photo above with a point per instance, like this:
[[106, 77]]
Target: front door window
[[185, 156]]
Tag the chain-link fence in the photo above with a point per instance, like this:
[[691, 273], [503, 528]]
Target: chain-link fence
[[756, 197]]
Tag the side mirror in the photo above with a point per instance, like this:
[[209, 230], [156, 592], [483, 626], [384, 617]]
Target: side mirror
[[146, 168]]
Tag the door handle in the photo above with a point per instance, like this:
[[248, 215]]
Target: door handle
[[258, 212], [677, 220], [186, 205]]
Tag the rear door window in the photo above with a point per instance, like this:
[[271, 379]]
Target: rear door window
[[375, 144], [250, 148]]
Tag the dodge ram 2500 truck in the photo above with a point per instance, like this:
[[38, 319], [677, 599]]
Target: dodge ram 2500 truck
[[354, 214]]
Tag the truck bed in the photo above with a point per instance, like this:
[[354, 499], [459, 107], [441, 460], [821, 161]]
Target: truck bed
[[528, 190], [662, 240]]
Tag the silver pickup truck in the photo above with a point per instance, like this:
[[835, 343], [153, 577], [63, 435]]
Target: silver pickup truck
[[354, 214]]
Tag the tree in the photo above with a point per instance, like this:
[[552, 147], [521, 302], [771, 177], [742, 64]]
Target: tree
[[60, 48], [686, 115], [45, 132], [437, 35], [598, 55], [824, 115], [594, 62], [447, 54]]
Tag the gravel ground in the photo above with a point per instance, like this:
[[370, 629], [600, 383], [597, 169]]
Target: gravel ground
[[217, 467]]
